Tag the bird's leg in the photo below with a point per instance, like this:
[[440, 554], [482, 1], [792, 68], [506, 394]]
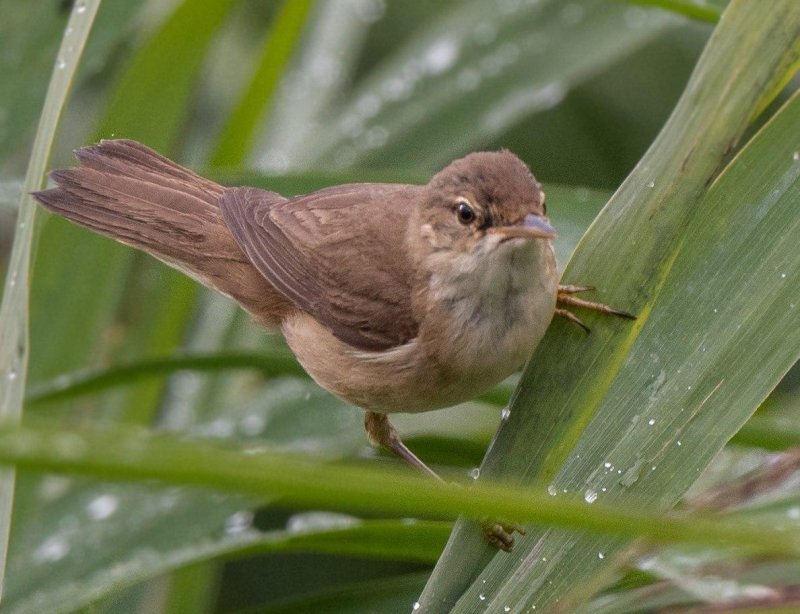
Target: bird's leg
[[565, 298], [381, 433]]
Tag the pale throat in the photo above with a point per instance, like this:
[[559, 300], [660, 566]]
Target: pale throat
[[494, 302]]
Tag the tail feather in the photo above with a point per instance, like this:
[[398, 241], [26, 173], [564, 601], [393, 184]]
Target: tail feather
[[130, 193]]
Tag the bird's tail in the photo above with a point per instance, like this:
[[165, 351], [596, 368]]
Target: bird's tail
[[130, 193]]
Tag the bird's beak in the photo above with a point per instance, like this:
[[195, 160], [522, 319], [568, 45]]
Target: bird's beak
[[532, 227]]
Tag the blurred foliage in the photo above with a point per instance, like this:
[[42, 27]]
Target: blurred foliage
[[365, 90]]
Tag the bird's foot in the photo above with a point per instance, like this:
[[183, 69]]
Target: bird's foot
[[500, 533], [565, 297]]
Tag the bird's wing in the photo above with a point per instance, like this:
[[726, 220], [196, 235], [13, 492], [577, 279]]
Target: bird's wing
[[338, 254]]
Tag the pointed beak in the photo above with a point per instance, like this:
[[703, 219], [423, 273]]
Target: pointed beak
[[532, 227]]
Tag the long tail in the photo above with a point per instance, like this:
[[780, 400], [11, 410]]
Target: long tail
[[128, 192]]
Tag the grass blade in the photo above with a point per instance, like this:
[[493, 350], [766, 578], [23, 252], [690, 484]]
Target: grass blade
[[240, 132], [14, 308]]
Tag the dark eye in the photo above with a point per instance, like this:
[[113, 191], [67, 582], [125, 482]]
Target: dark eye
[[464, 213]]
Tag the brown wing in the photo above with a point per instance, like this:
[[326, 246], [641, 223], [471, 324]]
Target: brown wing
[[356, 283]]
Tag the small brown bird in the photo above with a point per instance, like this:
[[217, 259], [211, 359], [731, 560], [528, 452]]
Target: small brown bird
[[396, 298]]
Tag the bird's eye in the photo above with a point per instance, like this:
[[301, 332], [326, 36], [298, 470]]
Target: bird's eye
[[464, 213]]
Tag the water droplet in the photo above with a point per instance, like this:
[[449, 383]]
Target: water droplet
[[102, 507], [475, 473], [590, 496], [221, 427], [441, 55], [601, 555], [53, 487], [552, 490], [252, 424], [416, 606], [375, 137], [632, 474], [651, 421], [482, 597], [397, 88], [52, 549], [238, 522], [505, 413]]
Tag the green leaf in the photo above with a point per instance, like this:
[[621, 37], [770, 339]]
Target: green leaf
[[125, 454], [633, 414], [696, 9], [14, 308], [151, 98], [394, 594], [80, 540], [240, 131], [469, 77]]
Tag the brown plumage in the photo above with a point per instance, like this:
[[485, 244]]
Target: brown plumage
[[132, 194]]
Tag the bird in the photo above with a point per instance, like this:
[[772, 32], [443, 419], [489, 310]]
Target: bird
[[393, 297]]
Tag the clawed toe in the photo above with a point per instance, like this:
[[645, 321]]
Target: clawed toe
[[565, 298], [500, 534]]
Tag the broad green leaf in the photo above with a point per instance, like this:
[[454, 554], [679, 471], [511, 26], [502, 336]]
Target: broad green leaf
[[150, 100], [469, 77], [633, 414], [681, 576], [83, 540]]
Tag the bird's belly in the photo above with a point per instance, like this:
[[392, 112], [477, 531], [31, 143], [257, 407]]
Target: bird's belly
[[471, 345]]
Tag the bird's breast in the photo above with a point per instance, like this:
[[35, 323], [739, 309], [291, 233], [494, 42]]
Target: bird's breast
[[492, 309]]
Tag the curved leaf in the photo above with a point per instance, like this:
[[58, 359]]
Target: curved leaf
[[633, 414]]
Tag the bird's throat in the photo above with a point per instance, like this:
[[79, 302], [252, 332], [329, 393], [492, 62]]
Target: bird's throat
[[489, 308]]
